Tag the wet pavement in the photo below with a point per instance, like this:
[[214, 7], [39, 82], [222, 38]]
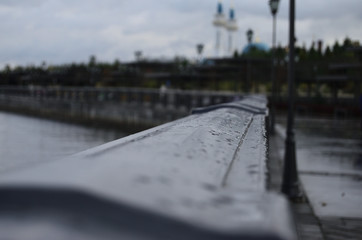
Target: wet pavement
[[329, 156]]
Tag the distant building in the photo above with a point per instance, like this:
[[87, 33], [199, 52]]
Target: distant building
[[255, 45], [252, 46]]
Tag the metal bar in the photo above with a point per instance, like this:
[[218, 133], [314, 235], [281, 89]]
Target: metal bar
[[290, 185], [272, 117]]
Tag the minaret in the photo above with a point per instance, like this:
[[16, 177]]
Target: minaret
[[219, 22], [231, 26]]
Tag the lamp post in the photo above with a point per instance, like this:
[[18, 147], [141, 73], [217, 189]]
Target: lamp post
[[274, 4], [138, 55], [290, 184], [199, 49], [249, 36]]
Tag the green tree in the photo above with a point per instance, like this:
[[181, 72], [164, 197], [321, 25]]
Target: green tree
[[301, 52], [337, 49], [328, 52], [92, 61], [312, 53], [347, 43], [236, 54], [116, 64], [7, 68]]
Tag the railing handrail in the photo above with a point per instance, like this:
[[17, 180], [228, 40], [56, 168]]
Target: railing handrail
[[203, 176], [112, 89]]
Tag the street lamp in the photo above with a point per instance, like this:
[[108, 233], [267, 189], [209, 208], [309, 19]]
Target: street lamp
[[199, 49], [274, 4], [138, 55], [249, 35], [290, 184]]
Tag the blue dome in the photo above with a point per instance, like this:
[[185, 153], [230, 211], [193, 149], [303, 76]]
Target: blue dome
[[259, 46]]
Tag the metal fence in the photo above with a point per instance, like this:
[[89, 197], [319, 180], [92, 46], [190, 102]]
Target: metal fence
[[165, 97]]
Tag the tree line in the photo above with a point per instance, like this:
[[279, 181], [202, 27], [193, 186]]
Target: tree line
[[95, 73]]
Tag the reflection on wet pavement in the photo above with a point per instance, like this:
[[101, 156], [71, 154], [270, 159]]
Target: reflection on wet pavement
[[337, 196], [329, 154]]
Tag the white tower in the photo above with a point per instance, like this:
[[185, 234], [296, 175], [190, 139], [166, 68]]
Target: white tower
[[219, 22], [231, 26]]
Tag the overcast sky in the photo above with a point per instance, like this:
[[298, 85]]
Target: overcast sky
[[64, 31]]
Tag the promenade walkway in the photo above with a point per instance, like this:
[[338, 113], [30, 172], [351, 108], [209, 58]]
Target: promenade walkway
[[330, 174]]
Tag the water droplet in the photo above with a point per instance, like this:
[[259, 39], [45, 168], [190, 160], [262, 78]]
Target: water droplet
[[143, 179], [223, 200], [252, 165], [164, 180], [209, 187]]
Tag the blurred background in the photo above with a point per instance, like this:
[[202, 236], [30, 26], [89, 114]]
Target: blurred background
[[75, 74]]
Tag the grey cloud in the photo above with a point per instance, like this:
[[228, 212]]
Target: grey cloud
[[22, 3], [71, 30]]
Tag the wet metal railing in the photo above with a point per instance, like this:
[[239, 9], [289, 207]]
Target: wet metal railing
[[200, 177], [120, 106], [166, 97]]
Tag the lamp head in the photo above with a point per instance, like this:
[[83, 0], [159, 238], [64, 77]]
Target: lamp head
[[249, 35], [274, 4], [200, 48]]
